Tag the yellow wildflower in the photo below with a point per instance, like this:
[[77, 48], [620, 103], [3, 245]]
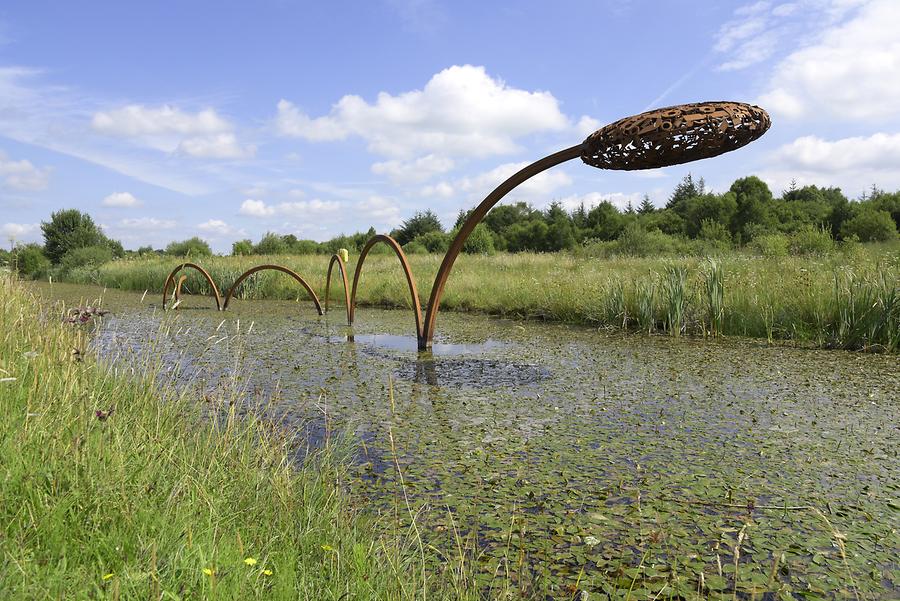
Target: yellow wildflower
[[327, 548], [108, 576], [267, 572], [250, 561], [208, 571]]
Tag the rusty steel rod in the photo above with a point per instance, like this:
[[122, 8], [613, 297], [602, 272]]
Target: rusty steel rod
[[336, 258], [410, 280], [171, 280], [290, 272]]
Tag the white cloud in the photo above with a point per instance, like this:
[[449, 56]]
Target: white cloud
[[203, 134], [217, 227], [138, 120], [461, 111], [218, 146], [20, 232], [22, 175], [379, 210], [538, 187], [592, 199], [415, 171], [587, 125], [146, 223], [853, 164], [121, 199], [851, 72], [301, 208]]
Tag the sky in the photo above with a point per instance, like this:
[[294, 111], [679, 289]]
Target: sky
[[225, 120]]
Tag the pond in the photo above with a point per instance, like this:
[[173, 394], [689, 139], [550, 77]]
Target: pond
[[566, 459]]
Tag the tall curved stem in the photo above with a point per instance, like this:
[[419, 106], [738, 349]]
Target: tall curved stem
[[437, 290]]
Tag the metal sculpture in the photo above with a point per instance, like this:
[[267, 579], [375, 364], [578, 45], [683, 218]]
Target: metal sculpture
[[658, 138], [336, 258], [290, 272], [410, 280], [171, 280]]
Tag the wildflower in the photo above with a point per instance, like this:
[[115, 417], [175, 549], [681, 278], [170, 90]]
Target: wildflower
[[344, 254], [108, 576], [209, 571], [327, 548], [250, 561], [266, 572]]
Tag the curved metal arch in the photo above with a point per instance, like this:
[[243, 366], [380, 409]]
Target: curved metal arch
[[413, 291], [170, 280], [290, 272], [343, 268], [475, 216]]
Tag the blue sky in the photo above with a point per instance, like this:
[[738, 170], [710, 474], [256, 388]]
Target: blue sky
[[165, 120]]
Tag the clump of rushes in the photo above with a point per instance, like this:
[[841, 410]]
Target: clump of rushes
[[148, 500], [673, 291], [714, 286]]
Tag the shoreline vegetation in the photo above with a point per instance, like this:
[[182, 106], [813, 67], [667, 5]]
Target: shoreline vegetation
[[846, 299], [113, 486]]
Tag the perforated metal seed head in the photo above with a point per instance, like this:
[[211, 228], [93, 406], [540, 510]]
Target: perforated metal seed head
[[675, 135]]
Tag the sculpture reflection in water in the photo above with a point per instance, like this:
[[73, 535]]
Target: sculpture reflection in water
[[653, 139]]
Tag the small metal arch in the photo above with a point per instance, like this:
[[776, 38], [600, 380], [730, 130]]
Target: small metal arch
[[170, 280], [413, 291], [290, 272], [343, 269]]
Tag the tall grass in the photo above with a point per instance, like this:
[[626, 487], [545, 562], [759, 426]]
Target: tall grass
[[112, 487], [789, 298]]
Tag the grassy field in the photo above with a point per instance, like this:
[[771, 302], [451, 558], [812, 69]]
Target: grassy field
[[112, 487], [848, 299]]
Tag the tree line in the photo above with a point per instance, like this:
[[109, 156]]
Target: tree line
[[694, 219]]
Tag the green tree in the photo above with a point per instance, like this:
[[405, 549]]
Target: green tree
[[646, 207], [86, 256], [415, 226], [605, 221], [687, 188], [192, 247], [708, 207], [480, 241], [242, 248], [753, 215], [67, 230], [271, 244]]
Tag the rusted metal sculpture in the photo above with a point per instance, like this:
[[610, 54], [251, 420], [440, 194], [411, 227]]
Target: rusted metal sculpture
[[674, 135], [410, 280], [293, 274], [170, 280], [659, 138], [336, 258]]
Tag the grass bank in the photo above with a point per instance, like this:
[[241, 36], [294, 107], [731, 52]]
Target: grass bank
[[846, 299], [111, 487]]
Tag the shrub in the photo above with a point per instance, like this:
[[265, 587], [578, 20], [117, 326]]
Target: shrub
[[770, 245], [241, 248], [88, 256], [415, 248], [811, 241], [271, 244], [480, 241], [434, 242], [635, 241], [870, 225], [192, 247], [30, 261]]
